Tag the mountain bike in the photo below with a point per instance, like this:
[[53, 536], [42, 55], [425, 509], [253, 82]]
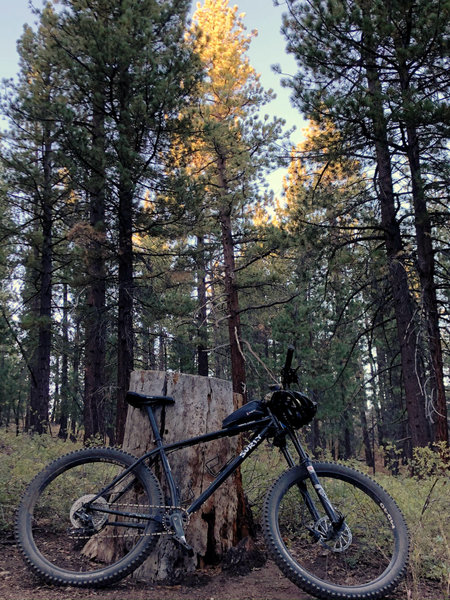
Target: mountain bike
[[93, 516]]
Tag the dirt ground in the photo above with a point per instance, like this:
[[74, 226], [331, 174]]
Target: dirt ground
[[264, 583]]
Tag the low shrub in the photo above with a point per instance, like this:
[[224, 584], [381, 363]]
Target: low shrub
[[422, 494], [21, 458]]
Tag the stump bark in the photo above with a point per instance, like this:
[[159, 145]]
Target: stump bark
[[201, 404]]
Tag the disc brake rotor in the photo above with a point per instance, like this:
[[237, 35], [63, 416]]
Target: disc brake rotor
[[336, 542], [79, 510]]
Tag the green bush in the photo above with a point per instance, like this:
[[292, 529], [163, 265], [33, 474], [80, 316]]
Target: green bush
[[423, 494], [21, 458]]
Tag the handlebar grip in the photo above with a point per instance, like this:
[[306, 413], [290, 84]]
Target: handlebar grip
[[289, 357]]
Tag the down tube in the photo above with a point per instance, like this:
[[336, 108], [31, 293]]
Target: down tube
[[234, 464]]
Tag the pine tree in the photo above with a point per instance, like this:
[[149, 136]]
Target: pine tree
[[354, 54], [229, 150], [13, 367], [32, 162], [127, 91], [418, 117], [326, 249]]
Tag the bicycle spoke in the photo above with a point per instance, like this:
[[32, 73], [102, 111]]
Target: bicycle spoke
[[355, 556], [82, 522]]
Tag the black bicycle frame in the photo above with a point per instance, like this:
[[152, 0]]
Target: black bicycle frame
[[263, 429]]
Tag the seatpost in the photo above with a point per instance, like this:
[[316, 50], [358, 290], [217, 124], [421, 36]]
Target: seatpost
[[165, 463], [175, 516]]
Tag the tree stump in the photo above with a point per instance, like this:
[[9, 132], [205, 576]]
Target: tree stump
[[201, 404]]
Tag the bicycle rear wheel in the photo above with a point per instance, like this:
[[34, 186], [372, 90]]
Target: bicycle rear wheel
[[368, 556], [73, 533]]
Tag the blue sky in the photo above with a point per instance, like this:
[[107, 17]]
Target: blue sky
[[267, 49], [14, 13]]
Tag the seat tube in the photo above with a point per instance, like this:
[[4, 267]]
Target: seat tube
[[165, 463]]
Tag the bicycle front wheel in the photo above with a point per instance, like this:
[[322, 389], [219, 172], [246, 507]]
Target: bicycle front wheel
[[81, 524], [366, 558]]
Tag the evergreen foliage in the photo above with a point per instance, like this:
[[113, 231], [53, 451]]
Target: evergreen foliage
[[137, 231], [370, 68]]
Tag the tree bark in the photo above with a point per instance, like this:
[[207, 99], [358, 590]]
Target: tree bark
[[202, 315], [201, 405], [425, 252], [125, 341], [366, 439], [40, 382], [64, 394], [426, 268], [413, 379], [238, 375], [125, 333], [95, 341]]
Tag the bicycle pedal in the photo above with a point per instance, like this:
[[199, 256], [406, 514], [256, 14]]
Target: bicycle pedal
[[183, 543]]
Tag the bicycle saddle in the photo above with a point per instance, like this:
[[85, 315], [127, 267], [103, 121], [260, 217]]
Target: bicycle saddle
[[140, 400]]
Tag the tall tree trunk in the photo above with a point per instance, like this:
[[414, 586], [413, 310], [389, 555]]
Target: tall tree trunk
[[219, 368], [202, 315], [95, 326], [231, 290], [386, 377], [425, 253], [40, 382], [370, 462], [125, 335], [346, 441], [64, 394], [426, 268], [403, 305], [75, 387], [125, 313]]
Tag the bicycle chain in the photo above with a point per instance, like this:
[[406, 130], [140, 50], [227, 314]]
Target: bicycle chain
[[166, 526]]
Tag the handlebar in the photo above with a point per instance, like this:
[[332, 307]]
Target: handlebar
[[289, 357], [288, 375]]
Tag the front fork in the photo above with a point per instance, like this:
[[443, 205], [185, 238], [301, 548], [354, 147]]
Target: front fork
[[336, 519]]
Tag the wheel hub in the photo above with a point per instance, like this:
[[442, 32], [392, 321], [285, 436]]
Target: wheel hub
[[82, 516]]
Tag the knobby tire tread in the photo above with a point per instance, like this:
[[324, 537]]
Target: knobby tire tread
[[101, 577], [327, 591]]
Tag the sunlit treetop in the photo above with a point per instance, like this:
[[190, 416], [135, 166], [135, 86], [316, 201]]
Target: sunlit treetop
[[219, 37], [231, 145], [320, 178]]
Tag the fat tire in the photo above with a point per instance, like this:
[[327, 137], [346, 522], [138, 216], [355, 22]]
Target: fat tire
[[381, 585], [55, 575]]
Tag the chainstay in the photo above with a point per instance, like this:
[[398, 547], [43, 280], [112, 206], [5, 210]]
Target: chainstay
[[116, 536]]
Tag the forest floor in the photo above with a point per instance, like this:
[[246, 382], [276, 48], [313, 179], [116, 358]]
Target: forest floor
[[265, 583]]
